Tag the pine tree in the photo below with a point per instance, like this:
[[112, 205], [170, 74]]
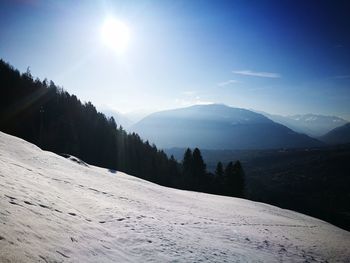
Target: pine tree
[[187, 161], [228, 181], [187, 168], [234, 180], [238, 179], [199, 168], [219, 171]]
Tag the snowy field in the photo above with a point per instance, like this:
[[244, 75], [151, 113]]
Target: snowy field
[[53, 209]]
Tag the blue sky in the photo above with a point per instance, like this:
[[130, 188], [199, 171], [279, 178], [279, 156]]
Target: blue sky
[[282, 57]]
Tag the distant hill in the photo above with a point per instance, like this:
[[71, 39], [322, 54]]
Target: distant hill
[[310, 124], [218, 126], [125, 119], [120, 119], [338, 135]]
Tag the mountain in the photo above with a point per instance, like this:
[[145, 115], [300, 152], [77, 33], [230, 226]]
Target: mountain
[[338, 135], [126, 119], [310, 124], [137, 115], [54, 209], [120, 118], [218, 126]]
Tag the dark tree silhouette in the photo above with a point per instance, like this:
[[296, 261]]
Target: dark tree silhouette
[[219, 171], [238, 183], [198, 167], [187, 168], [46, 115], [233, 181]]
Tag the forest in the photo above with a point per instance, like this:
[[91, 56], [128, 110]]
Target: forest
[[45, 114]]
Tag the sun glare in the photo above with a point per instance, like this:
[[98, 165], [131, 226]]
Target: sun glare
[[115, 35]]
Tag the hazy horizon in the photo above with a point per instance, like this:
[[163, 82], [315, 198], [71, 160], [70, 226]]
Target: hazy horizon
[[282, 58], [146, 112]]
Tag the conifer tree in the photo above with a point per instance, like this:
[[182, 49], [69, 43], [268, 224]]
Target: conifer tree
[[219, 171], [187, 161], [238, 179], [199, 168], [228, 182], [187, 167]]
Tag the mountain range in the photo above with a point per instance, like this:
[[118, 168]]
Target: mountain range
[[313, 125], [217, 126]]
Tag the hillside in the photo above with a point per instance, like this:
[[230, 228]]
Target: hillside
[[218, 126], [312, 181], [47, 115], [54, 209], [338, 135]]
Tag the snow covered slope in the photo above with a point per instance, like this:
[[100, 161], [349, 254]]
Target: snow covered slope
[[55, 210]]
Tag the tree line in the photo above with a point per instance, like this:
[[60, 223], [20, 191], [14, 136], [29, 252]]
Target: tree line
[[227, 181], [45, 114]]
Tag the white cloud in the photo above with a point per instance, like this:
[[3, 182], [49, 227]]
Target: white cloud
[[257, 74], [225, 83], [195, 101]]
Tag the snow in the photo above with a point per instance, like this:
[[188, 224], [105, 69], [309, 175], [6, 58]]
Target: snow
[[313, 118], [58, 210]]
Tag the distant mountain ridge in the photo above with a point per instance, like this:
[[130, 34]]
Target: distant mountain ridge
[[218, 126], [119, 118], [314, 125], [338, 135]]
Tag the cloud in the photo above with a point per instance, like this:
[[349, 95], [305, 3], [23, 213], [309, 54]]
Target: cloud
[[225, 83], [195, 101], [257, 74]]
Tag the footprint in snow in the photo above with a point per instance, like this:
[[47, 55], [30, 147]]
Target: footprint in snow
[[62, 254], [28, 203], [44, 206], [12, 198], [14, 203], [43, 258], [106, 247]]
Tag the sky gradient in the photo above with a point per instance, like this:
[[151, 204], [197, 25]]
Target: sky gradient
[[281, 57]]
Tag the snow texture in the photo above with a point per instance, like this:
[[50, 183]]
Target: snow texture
[[53, 209]]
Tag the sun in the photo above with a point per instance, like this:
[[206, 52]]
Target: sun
[[115, 35]]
